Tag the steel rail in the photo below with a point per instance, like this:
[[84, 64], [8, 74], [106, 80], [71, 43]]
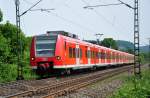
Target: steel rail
[[71, 88]]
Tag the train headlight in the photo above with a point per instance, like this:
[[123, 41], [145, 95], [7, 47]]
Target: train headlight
[[58, 57], [32, 58]]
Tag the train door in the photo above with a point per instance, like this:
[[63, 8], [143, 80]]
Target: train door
[[89, 56], [114, 57], [99, 56], [111, 59], [105, 56], [108, 56], [77, 55], [102, 56]]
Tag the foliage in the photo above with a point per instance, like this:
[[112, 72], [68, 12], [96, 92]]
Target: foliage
[[144, 57], [130, 90], [124, 45], [8, 72], [144, 48], [9, 31], [129, 50], [9, 48], [110, 43], [4, 50], [1, 15]]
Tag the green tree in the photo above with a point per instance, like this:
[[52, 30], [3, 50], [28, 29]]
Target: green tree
[[129, 50], [110, 43], [1, 15], [9, 31], [9, 50], [4, 49]]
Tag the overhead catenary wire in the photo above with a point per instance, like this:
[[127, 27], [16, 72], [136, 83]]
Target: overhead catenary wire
[[63, 18], [72, 22], [102, 5], [42, 10], [48, 10], [98, 14], [104, 18], [31, 7], [19, 38], [126, 4], [78, 15]]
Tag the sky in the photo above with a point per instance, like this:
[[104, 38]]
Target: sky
[[115, 22]]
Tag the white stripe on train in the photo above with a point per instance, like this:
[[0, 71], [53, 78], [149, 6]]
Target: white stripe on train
[[82, 65]]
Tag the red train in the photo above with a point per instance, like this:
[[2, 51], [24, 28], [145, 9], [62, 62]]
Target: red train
[[61, 51]]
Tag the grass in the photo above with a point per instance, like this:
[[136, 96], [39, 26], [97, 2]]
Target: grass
[[8, 72], [135, 87]]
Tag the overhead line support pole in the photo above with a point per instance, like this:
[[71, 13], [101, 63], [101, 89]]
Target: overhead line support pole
[[149, 52], [137, 63], [19, 41], [19, 47]]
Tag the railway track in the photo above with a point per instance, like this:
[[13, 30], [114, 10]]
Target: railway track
[[50, 88], [84, 81]]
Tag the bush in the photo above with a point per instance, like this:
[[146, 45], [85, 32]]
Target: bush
[[130, 90], [8, 72]]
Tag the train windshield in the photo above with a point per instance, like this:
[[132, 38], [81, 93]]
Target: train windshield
[[45, 45]]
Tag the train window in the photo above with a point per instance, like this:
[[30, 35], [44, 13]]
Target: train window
[[99, 55], [65, 45], [103, 55], [45, 45], [94, 54], [70, 52], [110, 55], [74, 53], [86, 53], [118, 57], [91, 54], [113, 56], [107, 55], [80, 53]]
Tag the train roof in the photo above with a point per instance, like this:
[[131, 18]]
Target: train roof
[[74, 39], [91, 45]]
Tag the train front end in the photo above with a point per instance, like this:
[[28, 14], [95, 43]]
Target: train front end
[[43, 55]]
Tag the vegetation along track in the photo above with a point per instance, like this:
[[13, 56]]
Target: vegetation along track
[[53, 89]]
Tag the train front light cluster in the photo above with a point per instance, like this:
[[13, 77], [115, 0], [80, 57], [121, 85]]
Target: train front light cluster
[[32, 58], [58, 57]]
